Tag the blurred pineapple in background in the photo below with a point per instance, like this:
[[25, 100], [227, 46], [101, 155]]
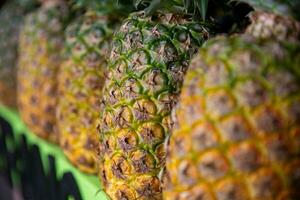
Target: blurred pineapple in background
[[40, 56], [11, 20], [81, 78], [237, 123]]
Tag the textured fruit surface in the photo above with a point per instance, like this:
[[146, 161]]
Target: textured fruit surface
[[11, 15], [268, 25], [81, 79], [237, 131], [40, 52], [147, 65]]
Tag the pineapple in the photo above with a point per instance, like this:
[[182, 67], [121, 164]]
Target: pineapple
[[236, 134], [11, 20], [146, 67], [41, 44], [81, 79]]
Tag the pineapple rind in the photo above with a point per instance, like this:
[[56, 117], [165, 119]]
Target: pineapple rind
[[269, 25], [147, 65], [40, 50], [81, 79], [11, 19], [237, 127]]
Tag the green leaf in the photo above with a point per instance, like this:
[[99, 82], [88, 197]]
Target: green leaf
[[172, 6], [203, 8]]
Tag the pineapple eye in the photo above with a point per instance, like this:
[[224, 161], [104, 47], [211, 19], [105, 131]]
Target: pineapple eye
[[34, 119], [151, 133], [268, 121], [107, 144], [219, 103], [127, 140], [142, 161], [120, 167], [167, 101], [144, 109], [212, 166], [48, 127], [283, 83], [50, 109], [169, 53], [139, 62], [33, 100], [216, 74], [88, 22], [120, 67], [245, 157], [155, 80], [160, 154], [123, 192], [107, 121], [131, 89], [190, 112], [93, 38], [79, 50], [97, 34], [187, 173], [148, 187], [84, 161], [179, 145], [265, 184], [92, 60], [195, 193], [231, 190], [251, 93], [133, 40], [71, 32], [55, 25], [246, 62], [123, 117], [278, 150], [114, 95], [235, 129], [203, 137]]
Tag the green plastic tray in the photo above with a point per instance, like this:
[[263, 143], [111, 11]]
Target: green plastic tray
[[89, 185]]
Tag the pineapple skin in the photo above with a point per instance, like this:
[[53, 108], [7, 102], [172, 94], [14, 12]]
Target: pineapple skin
[[236, 135], [147, 64], [40, 56], [81, 79], [11, 19], [267, 25]]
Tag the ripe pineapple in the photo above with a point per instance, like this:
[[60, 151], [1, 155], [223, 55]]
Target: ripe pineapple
[[149, 58], [11, 20], [81, 79], [237, 133], [41, 44]]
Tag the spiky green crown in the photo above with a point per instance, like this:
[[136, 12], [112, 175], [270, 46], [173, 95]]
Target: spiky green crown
[[175, 6], [198, 9]]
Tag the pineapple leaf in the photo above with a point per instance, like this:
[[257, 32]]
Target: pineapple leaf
[[203, 8], [110, 7], [173, 6], [197, 7]]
